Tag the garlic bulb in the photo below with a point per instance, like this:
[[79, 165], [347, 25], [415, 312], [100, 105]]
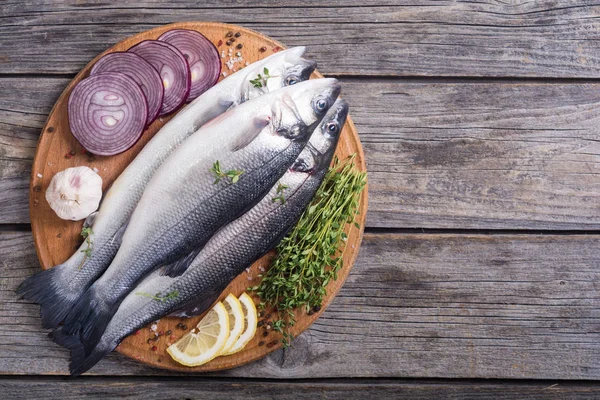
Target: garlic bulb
[[75, 193]]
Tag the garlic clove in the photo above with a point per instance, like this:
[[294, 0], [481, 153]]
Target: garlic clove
[[74, 193]]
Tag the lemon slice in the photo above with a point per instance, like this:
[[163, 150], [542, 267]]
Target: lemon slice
[[250, 321], [205, 342], [236, 320]]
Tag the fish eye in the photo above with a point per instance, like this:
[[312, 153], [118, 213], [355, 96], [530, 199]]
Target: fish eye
[[332, 127], [301, 166], [291, 80], [321, 104]]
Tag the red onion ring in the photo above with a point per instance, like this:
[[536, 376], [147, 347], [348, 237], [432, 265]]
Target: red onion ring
[[202, 57], [107, 113], [141, 72], [173, 69]]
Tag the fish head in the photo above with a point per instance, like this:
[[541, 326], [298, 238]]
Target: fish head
[[284, 68], [325, 138], [290, 69], [316, 155], [299, 109]]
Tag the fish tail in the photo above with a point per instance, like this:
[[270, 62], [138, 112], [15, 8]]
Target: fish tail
[[79, 362], [90, 317], [48, 289]]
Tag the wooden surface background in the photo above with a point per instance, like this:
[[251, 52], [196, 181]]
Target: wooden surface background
[[481, 128]]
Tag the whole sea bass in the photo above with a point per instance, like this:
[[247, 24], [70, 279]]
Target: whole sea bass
[[57, 289], [191, 195], [226, 255]]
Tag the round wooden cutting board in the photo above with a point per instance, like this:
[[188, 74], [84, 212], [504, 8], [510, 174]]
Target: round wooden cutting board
[[56, 240]]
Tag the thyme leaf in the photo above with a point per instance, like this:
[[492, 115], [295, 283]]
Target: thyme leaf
[[158, 297], [86, 232], [232, 174], [261, 81], [310, 256]]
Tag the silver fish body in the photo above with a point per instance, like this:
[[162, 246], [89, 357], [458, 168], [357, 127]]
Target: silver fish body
[[57, 289], [183, 206], [228, 252]]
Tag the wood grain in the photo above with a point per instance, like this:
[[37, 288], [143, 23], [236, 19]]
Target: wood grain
[[218, 389], [55, 239], [441, 154], [452, 306], [416, 37]]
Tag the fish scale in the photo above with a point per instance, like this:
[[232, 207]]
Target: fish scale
[[58, 288], [227, 254], [181, 206]]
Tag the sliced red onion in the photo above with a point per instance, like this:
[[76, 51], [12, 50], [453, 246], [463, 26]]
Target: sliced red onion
[[202, 57], [107, 113], [173, 70], [141, 72]]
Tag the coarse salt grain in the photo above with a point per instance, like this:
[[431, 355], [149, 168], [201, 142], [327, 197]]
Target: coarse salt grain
[[261, 268], [248, 270], [39, 175], [250, 277], [95, 169], [247, 63], [224, 73], [154, 327]]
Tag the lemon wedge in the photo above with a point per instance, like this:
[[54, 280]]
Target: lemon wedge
[[236, 320], [205, 342], [250, 321]]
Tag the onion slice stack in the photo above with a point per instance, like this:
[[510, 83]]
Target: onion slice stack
[[141, 72], [173, 70], [202, 57], [107, 113]]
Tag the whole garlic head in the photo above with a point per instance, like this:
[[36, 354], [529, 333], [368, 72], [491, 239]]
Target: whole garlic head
[[75, 193]]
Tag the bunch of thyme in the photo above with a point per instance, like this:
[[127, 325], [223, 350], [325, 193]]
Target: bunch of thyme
[[310, 256]]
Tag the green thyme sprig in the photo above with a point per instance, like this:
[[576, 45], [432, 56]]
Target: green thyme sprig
[[158, 297], [310, 256], [232, 174], [280, 188], [261, 80], [86, 232]]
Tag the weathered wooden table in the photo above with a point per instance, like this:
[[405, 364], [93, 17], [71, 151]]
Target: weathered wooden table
[[481, 127]]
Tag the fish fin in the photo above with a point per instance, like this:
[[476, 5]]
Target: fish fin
[[251, 133], [89, 317], [118, 236], [178, 267], [200, 303], [89, 221], [79, 362], [226, 104], [79, 365], [46, 289], [70, 342]]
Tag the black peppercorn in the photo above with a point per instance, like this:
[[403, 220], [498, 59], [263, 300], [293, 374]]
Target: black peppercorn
[[237, 34], [239, 46]]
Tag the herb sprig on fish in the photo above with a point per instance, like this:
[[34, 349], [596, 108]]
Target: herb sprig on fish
[[158, 297], [86, 232], [261, 80], [232, 174], [310, 256]]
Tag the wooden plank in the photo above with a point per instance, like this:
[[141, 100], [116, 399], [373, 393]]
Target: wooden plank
[[202, 388], [427, 305], [482, 155], [418, 37]]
